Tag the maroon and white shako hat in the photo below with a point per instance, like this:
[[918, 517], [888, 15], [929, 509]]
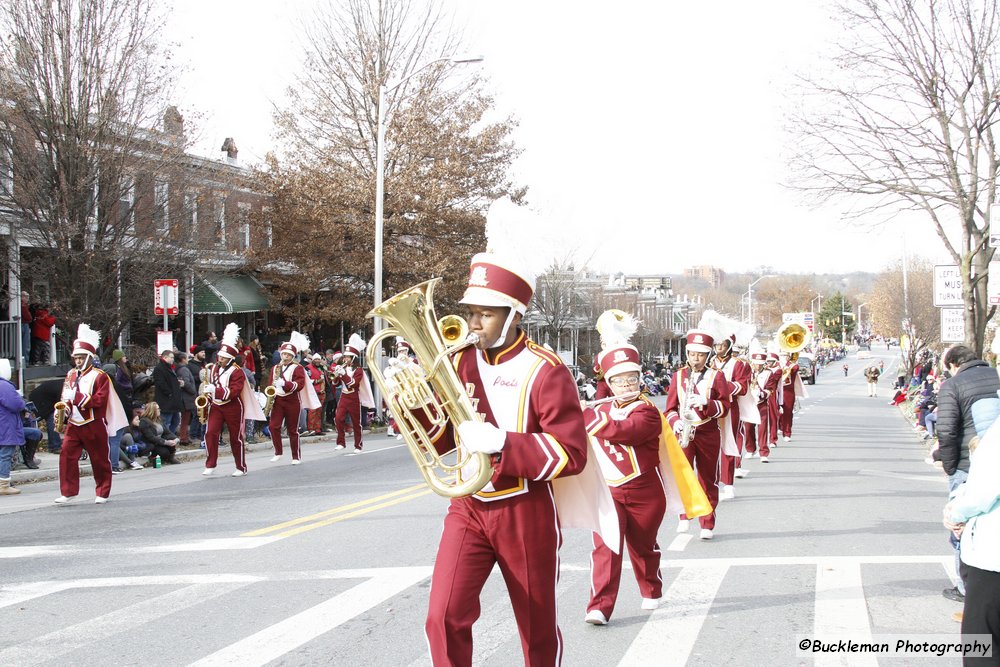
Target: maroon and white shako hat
[[86, 341], [699, 341], [355, 346], [618, 360], [297, 342], [498, 281]]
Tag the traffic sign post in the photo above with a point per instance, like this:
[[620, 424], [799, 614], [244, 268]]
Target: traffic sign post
[[165, 299]]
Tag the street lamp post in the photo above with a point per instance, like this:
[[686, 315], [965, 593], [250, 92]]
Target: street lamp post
[[857, 318], [380, 179], [750, 297]]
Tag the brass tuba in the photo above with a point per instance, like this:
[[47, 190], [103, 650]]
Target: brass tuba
[[432, 391], [792, 337]]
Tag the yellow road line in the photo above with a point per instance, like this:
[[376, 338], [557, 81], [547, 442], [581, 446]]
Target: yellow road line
[[366, 510], [335, 510]]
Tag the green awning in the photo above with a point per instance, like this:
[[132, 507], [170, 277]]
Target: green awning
[[216, 294]]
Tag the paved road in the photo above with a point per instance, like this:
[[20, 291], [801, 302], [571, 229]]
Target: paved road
[[327, 563]]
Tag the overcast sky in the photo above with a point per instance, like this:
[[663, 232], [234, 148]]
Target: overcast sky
[[652, 131]]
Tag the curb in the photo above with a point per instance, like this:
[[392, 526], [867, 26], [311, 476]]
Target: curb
[[46, 474]]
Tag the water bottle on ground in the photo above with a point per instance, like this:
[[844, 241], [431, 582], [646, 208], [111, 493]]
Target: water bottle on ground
[[157, 463]]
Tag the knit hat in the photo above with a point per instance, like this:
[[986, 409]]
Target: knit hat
[[117, 356]]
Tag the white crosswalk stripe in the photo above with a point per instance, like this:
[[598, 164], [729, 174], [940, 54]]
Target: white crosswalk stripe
[[670, 635]]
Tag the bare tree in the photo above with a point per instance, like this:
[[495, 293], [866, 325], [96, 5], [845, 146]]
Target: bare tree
[[919, 320], [92, 185], [907, 122], [445, 161]]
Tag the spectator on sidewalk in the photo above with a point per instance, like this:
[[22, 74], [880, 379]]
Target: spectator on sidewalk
[[25, 328], [168, 391], [316, 373], [32, 436], [41, 333], [971, 379], [973, 515], [871, 377], [11, 430], [45, 396], [155, 435], [210, 346], [189, 387]]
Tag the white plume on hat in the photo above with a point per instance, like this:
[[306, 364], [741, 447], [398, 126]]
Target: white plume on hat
[[716, 325], [5, 369], [616, 328], [231, 334], [299, 341], [756, 347], [356, 342], [772, 347]]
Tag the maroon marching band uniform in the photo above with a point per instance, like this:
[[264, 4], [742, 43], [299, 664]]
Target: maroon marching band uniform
[[706, 442], [349, 404], [737, 372], [628, 437], [788, 399], [287, 381], [86, 429], [226, 407], [773, 387], [757, 434], [528, 392]]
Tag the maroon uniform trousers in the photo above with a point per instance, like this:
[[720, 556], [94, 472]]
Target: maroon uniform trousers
[[740, 377], [92, 437], [787, 406], [772, 419], [286, 409], [230, 414], [349, 404], [521, 535], [703, 455], [640, 504], [756, 434]]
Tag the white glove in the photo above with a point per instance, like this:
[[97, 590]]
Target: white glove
[[678, 426], [697, 401], [481, 437], [208, 389], [617, 414], [338, 371]]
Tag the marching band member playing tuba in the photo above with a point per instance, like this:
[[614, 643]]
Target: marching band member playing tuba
[[95, 410], [533, 430], [291, 394], [627, 448], [232, 402], [703, 406], [792, 389]]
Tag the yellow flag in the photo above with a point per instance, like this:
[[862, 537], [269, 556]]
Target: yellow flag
[[692, 496]]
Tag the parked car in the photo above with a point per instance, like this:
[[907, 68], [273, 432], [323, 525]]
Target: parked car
[[807, 368]]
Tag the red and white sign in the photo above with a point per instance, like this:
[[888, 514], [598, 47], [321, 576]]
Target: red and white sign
[[165, 297]]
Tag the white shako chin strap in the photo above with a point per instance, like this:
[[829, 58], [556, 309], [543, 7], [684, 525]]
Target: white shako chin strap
[[506, 328]]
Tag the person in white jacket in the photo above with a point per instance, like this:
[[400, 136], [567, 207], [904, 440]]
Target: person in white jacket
[[973, 513]]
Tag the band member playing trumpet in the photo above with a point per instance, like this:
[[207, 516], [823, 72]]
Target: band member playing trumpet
[[773, 399], [699, 398], [533, 430], [232, 402], [355, 392], [94, 410], [628, 452], [288, 379]]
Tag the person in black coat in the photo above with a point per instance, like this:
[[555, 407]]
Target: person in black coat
[[45, 396], [152, 437], [971, 379], [168, 391]]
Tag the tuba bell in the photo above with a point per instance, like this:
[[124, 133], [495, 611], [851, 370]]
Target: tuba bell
[[429, 396], [792, 338]]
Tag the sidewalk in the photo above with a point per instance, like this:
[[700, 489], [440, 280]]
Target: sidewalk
[[48, 468]]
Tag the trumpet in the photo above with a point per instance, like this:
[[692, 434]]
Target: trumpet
[[269, 392], [60, 414]]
